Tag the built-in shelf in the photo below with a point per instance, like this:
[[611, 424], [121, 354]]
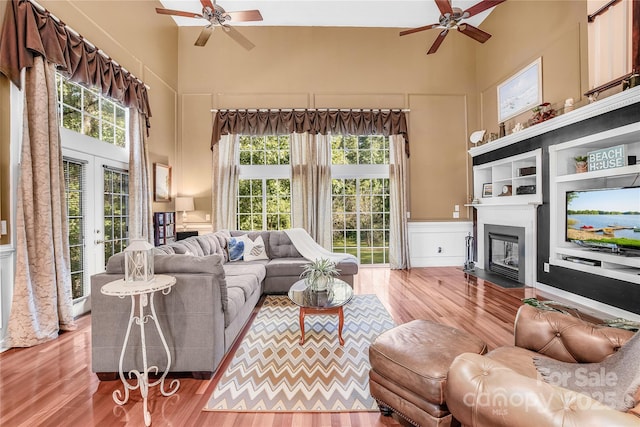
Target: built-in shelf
[[507, 177], [563, 178]]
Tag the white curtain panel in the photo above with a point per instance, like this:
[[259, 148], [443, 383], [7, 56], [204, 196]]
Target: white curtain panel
[[311, 185], [42, 299], [398, 229], [225, 182], [140, 211]]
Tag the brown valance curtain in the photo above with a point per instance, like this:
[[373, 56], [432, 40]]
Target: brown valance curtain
[[28, 31], [276, 122]]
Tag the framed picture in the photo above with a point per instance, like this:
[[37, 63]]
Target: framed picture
[[521, 92], [487, 190], [161, 183]]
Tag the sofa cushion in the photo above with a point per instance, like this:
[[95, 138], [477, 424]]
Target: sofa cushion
[[174, 263], [222, 236], [280, 246], [192, 245], [255, 268], [239, 289], [518, 359], [163, 250], [235, 249], [286, 266], [254, 249], [253, 235]]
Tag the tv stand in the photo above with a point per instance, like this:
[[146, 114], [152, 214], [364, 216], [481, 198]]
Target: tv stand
[[603, 259]]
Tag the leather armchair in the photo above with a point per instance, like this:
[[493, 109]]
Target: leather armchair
[[503, 388]]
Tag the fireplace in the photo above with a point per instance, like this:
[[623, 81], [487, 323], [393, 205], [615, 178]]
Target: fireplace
[[504, 251]]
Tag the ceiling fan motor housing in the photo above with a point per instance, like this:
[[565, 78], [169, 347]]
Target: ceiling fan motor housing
[[451, 20]]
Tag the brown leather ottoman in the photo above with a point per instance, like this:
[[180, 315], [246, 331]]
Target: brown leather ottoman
[[409, 365]]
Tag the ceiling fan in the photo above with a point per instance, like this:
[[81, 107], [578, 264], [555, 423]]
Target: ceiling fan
[[218, 17], [451, 19]]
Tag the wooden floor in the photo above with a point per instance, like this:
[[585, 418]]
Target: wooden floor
[[52, 384]]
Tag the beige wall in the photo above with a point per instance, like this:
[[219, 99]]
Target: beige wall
[[522, 32], [336, 68], [142, 42], [450, 94]]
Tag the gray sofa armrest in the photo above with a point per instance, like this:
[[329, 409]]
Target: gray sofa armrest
[[191, 317]]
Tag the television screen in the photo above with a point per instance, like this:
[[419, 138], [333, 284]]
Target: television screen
[[608, 216]]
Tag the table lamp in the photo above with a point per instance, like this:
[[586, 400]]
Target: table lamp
[[184, 204]]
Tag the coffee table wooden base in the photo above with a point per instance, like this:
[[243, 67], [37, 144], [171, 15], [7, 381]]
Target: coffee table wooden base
[[335, 310]]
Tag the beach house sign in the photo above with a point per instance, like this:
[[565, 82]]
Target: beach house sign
[[606, 158]]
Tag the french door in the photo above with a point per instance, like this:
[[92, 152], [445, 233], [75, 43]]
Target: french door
[[97, 200]]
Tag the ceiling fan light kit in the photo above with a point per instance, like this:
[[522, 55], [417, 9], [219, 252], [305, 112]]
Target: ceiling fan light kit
[[451, 18], [218, 17]]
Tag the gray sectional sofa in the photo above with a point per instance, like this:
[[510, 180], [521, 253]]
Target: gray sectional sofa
[[206, 309]]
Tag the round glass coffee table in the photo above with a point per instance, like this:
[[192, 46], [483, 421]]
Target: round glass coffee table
[[321, 302]]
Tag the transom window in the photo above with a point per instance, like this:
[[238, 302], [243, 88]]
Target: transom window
[[87, 112]]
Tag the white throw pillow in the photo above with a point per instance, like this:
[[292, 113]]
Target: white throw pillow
[[254, 249]]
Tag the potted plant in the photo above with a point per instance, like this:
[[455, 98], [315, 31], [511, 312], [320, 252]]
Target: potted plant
[[319, 273], [581, 163]]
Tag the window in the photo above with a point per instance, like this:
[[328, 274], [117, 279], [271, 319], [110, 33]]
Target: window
[[89, 113], [264, 186], [75, 187], [360, 197], [360, 191], [116, 211]]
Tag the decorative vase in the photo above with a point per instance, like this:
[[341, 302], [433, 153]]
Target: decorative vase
[[581, 167], [320, 284]]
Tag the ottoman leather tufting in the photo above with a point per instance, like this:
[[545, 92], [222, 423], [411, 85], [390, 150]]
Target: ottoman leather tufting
[[409, 366]]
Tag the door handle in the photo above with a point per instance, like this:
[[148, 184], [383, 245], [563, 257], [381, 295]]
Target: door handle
[[99, 242]]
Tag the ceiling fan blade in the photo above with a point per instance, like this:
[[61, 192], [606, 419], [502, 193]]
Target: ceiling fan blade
[[204, 36], [238, 37], [207, 3], [474, 32], [162, 11], [436, 44], [415, 30], [480, 7], [444, 6], [245, 16]]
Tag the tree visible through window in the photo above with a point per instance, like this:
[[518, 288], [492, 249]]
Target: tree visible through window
[[87, 112], [360, 197], [264, 187], [360, 191]]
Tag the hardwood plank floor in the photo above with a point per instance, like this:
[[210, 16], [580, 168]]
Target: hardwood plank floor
[[52, 384]]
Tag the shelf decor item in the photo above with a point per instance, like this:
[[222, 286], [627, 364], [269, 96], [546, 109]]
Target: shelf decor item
[[487, 190], [138, 261], [319, 273], [520, 92], [581, 164]]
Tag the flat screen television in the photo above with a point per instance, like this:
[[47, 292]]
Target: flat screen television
[[607, 219]]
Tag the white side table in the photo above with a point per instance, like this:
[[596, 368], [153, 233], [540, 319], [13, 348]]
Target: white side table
[[145, 292]]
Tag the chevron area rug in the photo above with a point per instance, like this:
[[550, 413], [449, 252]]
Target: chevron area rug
[[271, 372]]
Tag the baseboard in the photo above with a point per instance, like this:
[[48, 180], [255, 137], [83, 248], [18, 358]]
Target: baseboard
[[598, 308]]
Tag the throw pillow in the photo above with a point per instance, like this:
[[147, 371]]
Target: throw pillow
[[235, 248], [613, 382], [254, 249]]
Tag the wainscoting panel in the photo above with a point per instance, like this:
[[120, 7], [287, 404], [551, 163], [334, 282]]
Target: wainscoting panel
[[438, 243], [7, 260]]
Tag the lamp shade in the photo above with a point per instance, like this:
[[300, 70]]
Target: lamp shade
[[184, 204]]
